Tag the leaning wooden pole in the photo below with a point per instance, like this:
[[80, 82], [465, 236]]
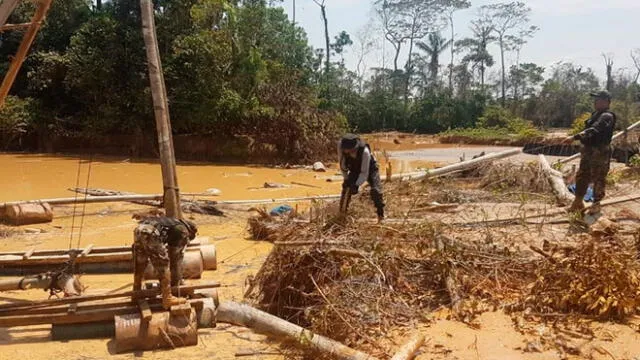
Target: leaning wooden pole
[[575, 156], [23, 49], [267, 324], [559, 188], [161, 110]]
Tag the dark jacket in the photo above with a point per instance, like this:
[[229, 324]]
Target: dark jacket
[[173, 232], [598, 129], [353, 168]]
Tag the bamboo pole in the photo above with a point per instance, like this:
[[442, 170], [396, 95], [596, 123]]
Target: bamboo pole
[[267, 324], [575, 156], [23, 49], [408, 351], [6, 8], [562, 194], [161, 110]]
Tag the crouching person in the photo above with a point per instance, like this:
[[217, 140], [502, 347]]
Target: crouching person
[[358, 165], [162, 241]]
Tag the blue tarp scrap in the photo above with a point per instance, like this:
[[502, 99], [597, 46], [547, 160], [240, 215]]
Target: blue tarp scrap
[[280, 210], [588, 197]]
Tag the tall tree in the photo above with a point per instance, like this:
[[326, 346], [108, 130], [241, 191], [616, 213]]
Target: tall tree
[[327, 41], [436, 46], [608, 62], [507, 19], [635, 56], [477, 47], [342, 40], [451, 8]]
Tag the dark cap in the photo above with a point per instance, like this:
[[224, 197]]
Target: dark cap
[[349, 141], [603, 94]]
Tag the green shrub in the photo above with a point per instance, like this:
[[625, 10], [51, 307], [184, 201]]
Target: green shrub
[[579, 123], [15, 118]]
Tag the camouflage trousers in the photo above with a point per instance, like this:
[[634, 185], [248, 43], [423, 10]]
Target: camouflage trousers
[[594, 167], [150, 246]]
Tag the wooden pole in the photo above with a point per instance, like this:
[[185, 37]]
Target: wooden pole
[[267, 324], [161, 110], [465, 165], [7, 309], [575, 156], [562, 194], [88, 200], [6, 8], [23, 49], [408, 351]]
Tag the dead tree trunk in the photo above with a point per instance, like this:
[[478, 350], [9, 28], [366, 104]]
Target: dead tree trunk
[[267, 324], [559, 188]]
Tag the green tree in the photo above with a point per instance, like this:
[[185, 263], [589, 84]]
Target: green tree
[[436, 46]]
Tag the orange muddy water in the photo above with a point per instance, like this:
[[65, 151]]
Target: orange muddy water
[[39, 176]]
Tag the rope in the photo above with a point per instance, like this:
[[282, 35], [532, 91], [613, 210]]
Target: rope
[[84, 204], [75, 204]]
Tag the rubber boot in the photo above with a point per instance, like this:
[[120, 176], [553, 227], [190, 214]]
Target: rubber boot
[[168, 300], [577, 205]]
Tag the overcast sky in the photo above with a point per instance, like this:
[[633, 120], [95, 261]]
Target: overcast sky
[[578, 31]]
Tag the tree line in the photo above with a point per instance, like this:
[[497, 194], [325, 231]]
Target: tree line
[[242, 68]]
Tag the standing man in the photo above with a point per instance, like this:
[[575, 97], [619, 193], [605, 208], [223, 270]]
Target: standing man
[[359, 165], [162, 241], [596, 152]]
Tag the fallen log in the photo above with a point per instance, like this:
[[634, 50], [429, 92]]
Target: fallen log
[[575, 156], [267, 324], [192, 246], [408, 351], [560, 191], [465, 165]]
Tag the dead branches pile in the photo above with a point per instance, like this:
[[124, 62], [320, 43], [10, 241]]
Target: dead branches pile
[[356, 281], [501, 176], [598, 278]]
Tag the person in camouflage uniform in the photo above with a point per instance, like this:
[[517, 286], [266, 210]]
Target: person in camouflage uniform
[[596, 152], [162, 241]]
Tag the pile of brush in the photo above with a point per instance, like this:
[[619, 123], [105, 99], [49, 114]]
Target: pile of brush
[[355, 281]]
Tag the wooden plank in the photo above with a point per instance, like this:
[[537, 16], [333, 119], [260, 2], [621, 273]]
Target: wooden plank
[[23, 49]]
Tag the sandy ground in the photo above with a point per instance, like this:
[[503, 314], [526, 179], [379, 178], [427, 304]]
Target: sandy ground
[[34, 176]]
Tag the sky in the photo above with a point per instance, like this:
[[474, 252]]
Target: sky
[[577, 31]]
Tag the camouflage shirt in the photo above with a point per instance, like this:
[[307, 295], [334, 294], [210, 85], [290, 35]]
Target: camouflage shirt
[[598, 129]]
